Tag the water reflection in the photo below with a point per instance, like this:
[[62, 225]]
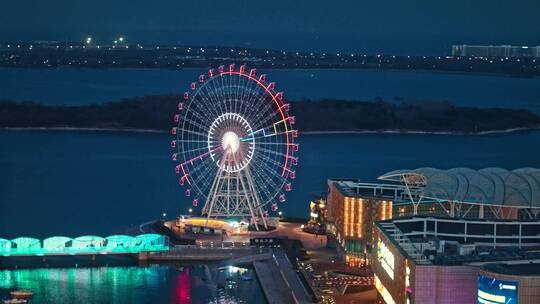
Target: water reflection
[[191, 284]]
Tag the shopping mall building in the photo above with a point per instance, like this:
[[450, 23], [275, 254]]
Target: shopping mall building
[[425, 259], [490, 193]]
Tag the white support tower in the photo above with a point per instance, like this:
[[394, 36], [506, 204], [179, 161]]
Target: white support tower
[[233, 193]]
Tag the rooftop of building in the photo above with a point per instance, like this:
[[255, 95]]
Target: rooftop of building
[[447, 241], [521, 269], [490, 186], [355, 188]]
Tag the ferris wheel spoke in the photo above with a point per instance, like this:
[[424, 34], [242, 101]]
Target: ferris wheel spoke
[[273, 167], [206, 108], [274, 152], [266, 183], [192, 141], [259, 93], [194, 132], [270, 160], [200, 156], [214, 100]]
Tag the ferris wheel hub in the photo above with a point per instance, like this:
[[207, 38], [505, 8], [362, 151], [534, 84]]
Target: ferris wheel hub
[[230, 140], [231, 131]]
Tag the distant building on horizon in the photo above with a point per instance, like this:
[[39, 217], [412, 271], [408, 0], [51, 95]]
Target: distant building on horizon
[[510, 51]]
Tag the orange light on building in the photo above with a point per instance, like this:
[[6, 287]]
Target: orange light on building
[[353, 224], [346, 217], [360, 217], [386, 210]]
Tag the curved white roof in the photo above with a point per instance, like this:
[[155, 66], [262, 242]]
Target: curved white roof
[[490, 186]]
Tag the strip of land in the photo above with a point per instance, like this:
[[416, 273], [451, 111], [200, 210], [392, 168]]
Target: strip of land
[[154, 113]]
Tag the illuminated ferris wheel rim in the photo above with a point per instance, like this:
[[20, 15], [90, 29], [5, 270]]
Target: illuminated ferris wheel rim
[[274, 95], [268, 113]]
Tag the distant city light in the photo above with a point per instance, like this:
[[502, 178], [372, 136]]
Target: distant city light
[[121, 39], [88, 40]]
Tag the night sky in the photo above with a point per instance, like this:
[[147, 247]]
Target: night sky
[[388, 26]]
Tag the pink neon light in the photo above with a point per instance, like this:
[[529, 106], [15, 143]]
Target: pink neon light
[[186, 96], [292, 120], [181, 181], [173, 144], [279, 96], [211, 73], [282, 198], [174, 156], [272, 86], [252, 72], [188, 192], [173, 131], [181, 106], [221, 69], [288, 187], [201, 78], [274, 207], [185, 174], [231, 67], [294, 160], [177, 169], [195, 202], [292, 174], [294, 133], [176, 118], [262, 79], [295, 147], [193, 85], [242, 69]]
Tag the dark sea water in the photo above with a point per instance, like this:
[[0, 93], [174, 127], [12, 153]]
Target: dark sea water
[[72, 183], [82, 86], [193, 284]]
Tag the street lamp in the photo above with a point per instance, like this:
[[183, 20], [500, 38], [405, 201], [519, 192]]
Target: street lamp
[[88, 40]]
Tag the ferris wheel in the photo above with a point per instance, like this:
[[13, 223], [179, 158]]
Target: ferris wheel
[[235, 144]]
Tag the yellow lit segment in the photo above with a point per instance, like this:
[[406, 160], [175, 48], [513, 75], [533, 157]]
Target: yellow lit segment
[[352, 217], [346, 216], [383, 291], [360, 217]]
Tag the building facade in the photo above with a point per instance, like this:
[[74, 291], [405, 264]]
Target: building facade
[[443, 261], [506, 51], [351, 215]]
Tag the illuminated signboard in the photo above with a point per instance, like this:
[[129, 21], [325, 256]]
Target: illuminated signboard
[[386, 258], [493, 291], [383, 291]]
